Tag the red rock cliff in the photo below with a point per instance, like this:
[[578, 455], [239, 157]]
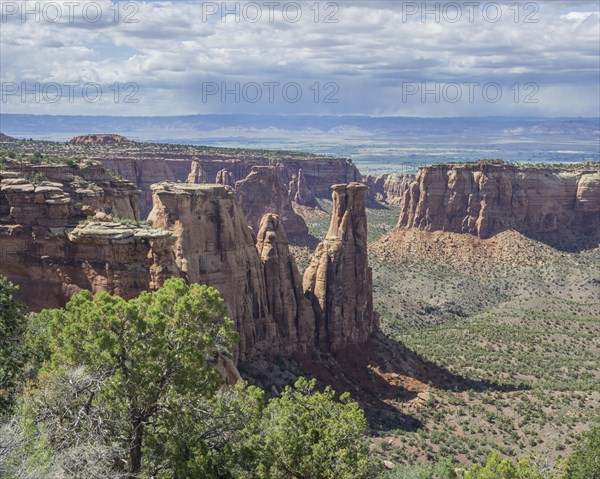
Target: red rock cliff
[[51, 251], [215, 246], [484, 199], [263, 191]]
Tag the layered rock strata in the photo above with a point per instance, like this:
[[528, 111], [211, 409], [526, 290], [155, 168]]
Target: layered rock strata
[[215, 246], [263, 191], [50, 249], [102, 139], [339, 280], [144, 167], [484, 199], [388, 188]]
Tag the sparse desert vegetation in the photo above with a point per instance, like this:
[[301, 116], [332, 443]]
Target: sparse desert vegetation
[[530, 326]]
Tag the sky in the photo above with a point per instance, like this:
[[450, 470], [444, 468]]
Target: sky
[[379, 58]]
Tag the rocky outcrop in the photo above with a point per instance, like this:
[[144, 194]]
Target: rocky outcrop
[[338, 280], [53, 195], [197, 173], [225, 177], [105, 139], [82, 231], [486, 198], [51, 251], [215, 246], [388, 188], [122, 259], [299, 192], [263, 191], [290, 309], [143, 173]]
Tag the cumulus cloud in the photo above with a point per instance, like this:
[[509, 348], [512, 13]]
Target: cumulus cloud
[[344, 57]]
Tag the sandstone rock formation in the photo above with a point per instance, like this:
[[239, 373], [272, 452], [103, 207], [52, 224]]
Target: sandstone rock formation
[[388, 188], [225, 177], [486, 198], [45, 249], [339, 280], [143, 173], [59, 236], [215, 246], [299, 191], [291, 310], [197, 173], [104, 139], [263, 191]]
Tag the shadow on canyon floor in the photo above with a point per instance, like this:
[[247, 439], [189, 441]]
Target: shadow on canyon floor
[[568, 241], [386, 378]]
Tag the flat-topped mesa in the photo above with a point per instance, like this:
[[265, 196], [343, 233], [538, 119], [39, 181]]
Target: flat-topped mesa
[[484, 199], [215, 246], [291, 310], [339, 280], [99, 139], [197, 173], [263, 191]]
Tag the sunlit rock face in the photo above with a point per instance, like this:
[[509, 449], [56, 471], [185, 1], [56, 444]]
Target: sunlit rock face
[[485, 199], [338, 280]]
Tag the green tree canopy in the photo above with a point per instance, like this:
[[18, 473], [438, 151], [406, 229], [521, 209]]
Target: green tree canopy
[[584, 463], [12, 324], [310, 435], [145, 357]]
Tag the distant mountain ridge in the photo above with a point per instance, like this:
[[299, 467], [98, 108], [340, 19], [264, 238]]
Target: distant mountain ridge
[[379, 144], [162, 127]]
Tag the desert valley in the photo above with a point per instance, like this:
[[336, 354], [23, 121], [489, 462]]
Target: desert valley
[[459, 306]]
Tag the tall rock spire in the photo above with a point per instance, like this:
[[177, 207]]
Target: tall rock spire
[[197, 173], [291, 310], [339, 280]]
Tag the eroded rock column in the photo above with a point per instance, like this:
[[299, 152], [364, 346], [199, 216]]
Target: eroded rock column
[[339, 280], [215, 246], [291, 310]]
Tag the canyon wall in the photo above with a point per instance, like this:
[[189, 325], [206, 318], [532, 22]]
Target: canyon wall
[[388, 188], [263, 191], [82, 231], [339, 280], [50, 249], [317, 175], [486, 198]]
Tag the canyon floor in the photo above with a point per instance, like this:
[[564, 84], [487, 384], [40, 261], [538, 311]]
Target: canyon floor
[[498, 343]]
